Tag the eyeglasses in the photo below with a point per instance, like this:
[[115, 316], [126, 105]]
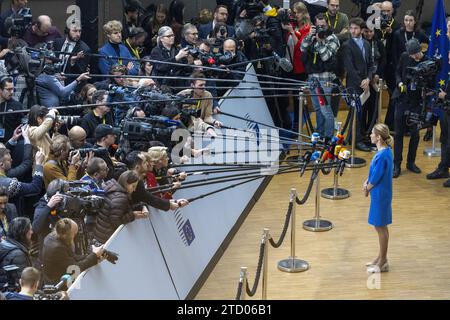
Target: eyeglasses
[[194, 33], [169, 36]]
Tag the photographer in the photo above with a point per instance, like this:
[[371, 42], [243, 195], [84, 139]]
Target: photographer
[[17, 189], [49, 86], [16, 7], [388, 26], [7, 103], [442, 170], [58, 165], [58, 254], [41, 31], [121, 210], [14, 250], [100, 114], [410, 99], [29, 283], [135, 41], [40, 122], [165, 51], [220, 15], [96, 173], [205, 107], [45, 215], [189, 119], [189, 36], [7, 213], [23, 151], [114, 48], [138, 162], [231, 55], [319, 57], [77, 138], [77, 59], [105, 138]]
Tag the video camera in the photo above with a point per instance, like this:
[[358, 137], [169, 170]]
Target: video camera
[[426, 68], [285, 17], [12, 276], [16, 25], [77, 201], [253, 8], [139, 130]]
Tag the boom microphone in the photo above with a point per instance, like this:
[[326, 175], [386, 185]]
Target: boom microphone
[[62, 282], [283, 63]]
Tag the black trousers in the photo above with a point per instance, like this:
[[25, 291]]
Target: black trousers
[[445, 142], [403, 105]]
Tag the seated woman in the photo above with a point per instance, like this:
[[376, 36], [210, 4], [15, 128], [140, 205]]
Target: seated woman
[[120, 210]]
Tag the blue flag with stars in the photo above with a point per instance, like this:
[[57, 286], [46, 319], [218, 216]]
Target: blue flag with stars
[[439, 42]]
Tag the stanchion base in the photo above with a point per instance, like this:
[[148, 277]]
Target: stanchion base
[[317, 225], [335, 194], [293, 265], [432, 152], [357, 163]]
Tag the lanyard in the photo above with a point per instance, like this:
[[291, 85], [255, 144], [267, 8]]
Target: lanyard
[[384, 32], [335, 21], [135, 51]]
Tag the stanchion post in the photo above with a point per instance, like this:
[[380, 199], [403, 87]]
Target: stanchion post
[[354, 161], [292, 264], [301, 102], [243, 280], [433, 152], [336, 193], [265, 239], [316, 224], [380, 100]]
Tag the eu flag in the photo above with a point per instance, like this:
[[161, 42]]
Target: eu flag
[[439, 42]]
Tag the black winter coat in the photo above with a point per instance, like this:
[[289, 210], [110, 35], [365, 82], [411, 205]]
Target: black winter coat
[[118, 212], [12, 252]]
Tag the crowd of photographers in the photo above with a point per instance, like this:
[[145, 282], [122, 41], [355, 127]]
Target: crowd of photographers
[[69, 177]]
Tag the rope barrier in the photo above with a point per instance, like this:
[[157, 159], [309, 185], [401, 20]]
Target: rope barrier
[[278, 243]]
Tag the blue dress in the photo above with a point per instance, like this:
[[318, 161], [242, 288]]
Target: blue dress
[[380, 176]]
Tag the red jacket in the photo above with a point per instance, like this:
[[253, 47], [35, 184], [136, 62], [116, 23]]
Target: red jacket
[[152, 183], [301, 34]]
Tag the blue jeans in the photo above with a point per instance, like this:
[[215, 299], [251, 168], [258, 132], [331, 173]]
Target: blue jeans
[[324, 114]]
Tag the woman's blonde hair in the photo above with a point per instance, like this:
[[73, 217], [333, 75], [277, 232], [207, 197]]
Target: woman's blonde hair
[[112, 26], [383, 131], [156, 153], [300, 7], [63, 231]]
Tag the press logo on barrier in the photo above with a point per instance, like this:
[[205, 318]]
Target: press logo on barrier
[[185, 230]]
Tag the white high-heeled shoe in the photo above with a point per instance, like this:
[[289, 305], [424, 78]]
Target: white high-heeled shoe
[[377, 269]]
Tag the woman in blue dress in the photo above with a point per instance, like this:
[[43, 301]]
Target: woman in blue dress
[[379, 186]]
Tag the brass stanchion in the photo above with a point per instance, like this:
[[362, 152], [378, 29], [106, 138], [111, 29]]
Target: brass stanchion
[[354, 161], [336, 193], [265, 238], [380, 99], [292, 264], [316, 224]]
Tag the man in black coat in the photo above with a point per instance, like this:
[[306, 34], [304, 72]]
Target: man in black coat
[[9, 122], [58, 254], [409, 95], [14, 250], [220, 15], [359, 66], [100, 114], [75, 61], [7, 213]]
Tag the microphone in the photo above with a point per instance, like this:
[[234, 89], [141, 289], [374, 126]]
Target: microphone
[[315, 138], [315, 156], [283, 63], [62, 282]]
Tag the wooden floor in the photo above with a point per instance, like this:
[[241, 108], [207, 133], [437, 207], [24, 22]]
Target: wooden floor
[[419, 250]]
